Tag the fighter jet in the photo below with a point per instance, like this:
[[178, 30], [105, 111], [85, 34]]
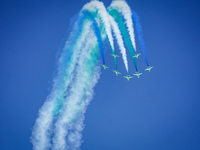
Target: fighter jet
[[137, 74], [117, 72], [137, 55], [149, 68], [114, 55], [128, 77], [105, 67]]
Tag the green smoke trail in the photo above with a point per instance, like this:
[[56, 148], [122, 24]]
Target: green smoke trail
[[117, 17]]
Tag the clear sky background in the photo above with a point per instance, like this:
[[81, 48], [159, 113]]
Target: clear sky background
[[159, 111]]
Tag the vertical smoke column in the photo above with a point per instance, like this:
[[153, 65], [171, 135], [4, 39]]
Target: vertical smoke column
[[42, 131]]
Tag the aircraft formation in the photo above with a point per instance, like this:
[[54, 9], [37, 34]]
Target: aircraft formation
[[128, 77]]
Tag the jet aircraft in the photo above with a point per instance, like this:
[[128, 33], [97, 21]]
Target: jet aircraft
[[149, 68], [114, 55], [128, 77], [137, 74], [117, 72], [105, 67], [137, 55]]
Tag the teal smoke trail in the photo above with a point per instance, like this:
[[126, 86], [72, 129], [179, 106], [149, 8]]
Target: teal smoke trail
[[115, 14], [125, 11], [138, 27], [97, 32], [99, 9], [70, 126], [66, 67]]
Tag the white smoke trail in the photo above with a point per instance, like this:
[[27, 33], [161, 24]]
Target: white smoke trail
[[92, 6], [42, 130], [76, 104], [74, 137], [43, 127], [125, 10], [119, 41]]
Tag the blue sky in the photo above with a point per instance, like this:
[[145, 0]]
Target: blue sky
[[158, 111]]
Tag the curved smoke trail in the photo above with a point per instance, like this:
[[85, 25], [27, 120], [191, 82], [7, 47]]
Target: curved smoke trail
[[60, 121], [97, 32], [125, 10], [104, 17]]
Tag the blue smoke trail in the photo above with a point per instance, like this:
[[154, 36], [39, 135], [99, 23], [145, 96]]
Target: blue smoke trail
[[97, 32], [138, 27]]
